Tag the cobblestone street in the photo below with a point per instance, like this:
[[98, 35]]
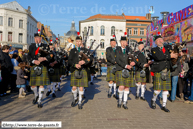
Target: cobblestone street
[[99, 112]]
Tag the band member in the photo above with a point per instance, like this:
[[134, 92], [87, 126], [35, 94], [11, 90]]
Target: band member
[[140, 66], [161, 70], [110, 55], [53, 71], [79, 75], [124, 73], [39, 73]]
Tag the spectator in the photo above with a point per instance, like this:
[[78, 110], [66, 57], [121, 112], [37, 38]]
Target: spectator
[[11, 54], [19, 59], [6, 69], [181, 80], [25, 59], [21, 78], [20, 54], [13, 73]]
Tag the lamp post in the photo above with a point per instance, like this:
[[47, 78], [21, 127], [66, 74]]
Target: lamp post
[[164, 15]]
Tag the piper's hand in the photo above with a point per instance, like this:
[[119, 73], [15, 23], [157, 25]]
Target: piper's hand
[[40, 59], [52, 64], [146, 65], [83, 62], [45, 59], [36, 62], [78, 66], [129, 67], [132, 63], [150, 62], [26, 77]]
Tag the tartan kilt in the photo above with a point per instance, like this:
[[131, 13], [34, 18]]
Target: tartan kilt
[[62, 70], [138, 78], [121, 81], [92, 70], [83, 82], [110, 76], [158, 84], [41, 80], [56, 76]]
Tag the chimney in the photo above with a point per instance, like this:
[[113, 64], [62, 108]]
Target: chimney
[[155, 19], [164, 16], [148, 16], [48, 28]]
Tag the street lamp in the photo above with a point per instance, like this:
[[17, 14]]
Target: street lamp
[[164, 15]]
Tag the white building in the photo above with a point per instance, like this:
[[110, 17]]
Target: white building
[[102, 28], [17, 25]]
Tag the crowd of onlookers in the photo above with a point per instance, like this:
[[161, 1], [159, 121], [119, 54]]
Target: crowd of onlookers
[[14, 71]]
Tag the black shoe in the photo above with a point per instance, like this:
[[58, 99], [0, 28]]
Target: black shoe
[[48, 93], [109, 95], [142, 98], [153, 104], [59, 89], [125, 106], [54, 95], [74, 102], [119, 104], [137, 97], [91, 83], [114, 95], [35, 100], [40, 105], [79, 106], [165, 109]]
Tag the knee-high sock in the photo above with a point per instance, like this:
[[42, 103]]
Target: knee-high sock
[[21, 91], [120, 95], [110, 87], [138, 88], [142, 90], [80, 96], [155, 94], [165, 97], [115, 88], [53, 87], [74, 92], [92, 78], [58, 85], [41, 93], [35, 90], [125, 97]]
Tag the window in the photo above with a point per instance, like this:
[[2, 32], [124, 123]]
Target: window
[[1, 36], [20, 23], [85, 31], [1, 20], [28, 26], [91, 30], [129, 31], [10, 22], [20, 37], [135, 31], [141, 31], [112, 30], [9, 36], [102, 30], [102, 43]]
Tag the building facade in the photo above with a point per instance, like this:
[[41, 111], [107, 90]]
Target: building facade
[[16, 25], [102, 28]]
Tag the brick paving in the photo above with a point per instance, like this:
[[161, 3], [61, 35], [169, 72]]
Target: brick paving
[[99, 112]]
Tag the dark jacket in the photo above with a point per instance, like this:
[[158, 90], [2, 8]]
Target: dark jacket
[[5, 61], [176, 69], [32, 56], [110, 55], [121, 59], [140, 61], [74, 59], [25, 57], [20, 77], [161, 60]]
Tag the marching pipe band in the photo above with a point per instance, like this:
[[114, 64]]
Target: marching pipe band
[[126, 68]]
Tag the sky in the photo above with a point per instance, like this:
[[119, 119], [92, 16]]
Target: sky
[[58, 14]]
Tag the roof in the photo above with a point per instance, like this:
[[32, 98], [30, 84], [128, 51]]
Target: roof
[[100, 16], [136, 18], [13, 6]]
